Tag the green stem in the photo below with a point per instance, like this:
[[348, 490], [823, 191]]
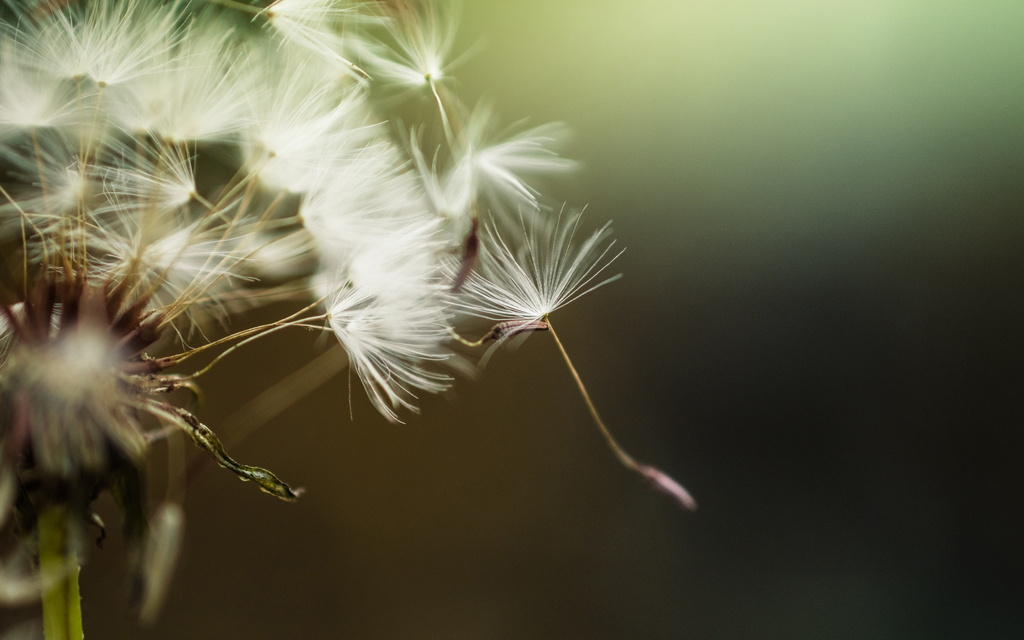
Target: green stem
[[62, 605]]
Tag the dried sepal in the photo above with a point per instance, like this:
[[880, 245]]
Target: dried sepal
[[207, 440]]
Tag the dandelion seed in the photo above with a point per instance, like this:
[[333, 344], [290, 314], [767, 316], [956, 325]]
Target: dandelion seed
[[305, 130], [316, 25], [388, 341], [54, 180], [499, 168], [109, 42], [421, 39], [160, 176], [198, 93], [369, 202], [521, 289], [30, 95], [543, 275], [168, 264]]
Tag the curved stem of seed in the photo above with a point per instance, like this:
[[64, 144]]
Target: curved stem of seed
[[448, 133], [169, 361], [655, 478], [468, 343], [207, 440], [620, 453], [278, 327]]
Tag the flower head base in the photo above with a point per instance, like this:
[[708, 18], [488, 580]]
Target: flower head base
[[74, 386], [62, 391]]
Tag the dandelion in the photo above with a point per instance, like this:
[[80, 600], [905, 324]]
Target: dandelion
[[165, 166], [73, 389]]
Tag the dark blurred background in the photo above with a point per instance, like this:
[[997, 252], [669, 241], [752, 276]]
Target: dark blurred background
[[819, 332]]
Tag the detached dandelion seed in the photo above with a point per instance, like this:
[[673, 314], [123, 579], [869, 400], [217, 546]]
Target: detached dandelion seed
[[520, 289]]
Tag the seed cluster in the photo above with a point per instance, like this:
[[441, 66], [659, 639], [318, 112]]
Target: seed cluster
[[166, 165]]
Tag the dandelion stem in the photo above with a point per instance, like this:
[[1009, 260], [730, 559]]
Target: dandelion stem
[[62, 605]]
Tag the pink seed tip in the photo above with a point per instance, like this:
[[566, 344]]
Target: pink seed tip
[[661, 482]]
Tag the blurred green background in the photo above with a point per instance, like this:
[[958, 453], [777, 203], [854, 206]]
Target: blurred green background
[[819, 332]]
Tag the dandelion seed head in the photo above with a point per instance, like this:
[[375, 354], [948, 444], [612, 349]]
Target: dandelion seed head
[[166, 166]]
